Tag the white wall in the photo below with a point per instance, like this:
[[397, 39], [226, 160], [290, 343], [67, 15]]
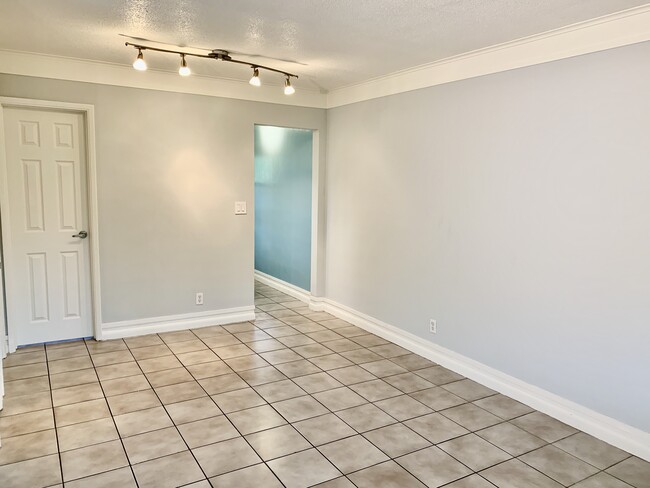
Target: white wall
[[170, 167], [513, 208]]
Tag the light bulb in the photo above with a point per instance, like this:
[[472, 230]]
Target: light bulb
[[255, 79], [288, 89], [139, 62], [184, 70]]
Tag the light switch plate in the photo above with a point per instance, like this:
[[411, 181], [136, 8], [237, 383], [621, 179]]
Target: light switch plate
[[240, 208]]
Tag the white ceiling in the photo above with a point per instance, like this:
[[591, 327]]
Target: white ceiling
[[335, 43]]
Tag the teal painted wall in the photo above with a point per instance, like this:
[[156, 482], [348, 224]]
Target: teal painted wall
[[283, 160]]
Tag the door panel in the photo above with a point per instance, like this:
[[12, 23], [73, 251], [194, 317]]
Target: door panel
[[49, 290]]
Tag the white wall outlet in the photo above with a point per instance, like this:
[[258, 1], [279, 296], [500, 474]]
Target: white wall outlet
[[199, 298], [240, 208], [433, 326]]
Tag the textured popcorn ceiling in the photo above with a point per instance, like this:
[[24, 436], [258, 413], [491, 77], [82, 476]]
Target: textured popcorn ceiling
[[335, 42]]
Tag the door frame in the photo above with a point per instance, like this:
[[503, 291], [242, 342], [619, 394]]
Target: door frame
[[316, 221], [88, 112]]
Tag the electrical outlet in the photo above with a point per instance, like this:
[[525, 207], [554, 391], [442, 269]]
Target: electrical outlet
[[433, 326], [240, 208], [199, 298]]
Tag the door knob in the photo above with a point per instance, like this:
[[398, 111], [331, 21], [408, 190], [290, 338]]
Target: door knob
[[82, 234]]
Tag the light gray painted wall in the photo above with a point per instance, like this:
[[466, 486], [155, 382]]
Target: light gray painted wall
[[170, 167], [513, 208]]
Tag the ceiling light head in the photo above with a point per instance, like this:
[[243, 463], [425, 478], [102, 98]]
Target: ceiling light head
[[288, 89], [255, 79], [139, 62], [184, 70]]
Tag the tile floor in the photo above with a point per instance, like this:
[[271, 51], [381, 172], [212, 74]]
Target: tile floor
[[294, 399]]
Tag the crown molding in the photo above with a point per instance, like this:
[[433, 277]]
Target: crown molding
[[72, 69], [620, 29]]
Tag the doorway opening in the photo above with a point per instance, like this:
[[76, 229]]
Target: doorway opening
[[284, 204]]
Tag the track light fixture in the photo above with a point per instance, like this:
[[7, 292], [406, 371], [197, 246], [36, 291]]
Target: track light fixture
[[217, 54], [255, 79], [184, 70], [139, 62], [288, 89]]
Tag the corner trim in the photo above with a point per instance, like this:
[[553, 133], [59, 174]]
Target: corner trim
[[284, 287], [170, 323], [616, 433], [623, 28]]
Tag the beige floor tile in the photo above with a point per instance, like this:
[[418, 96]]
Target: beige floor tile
[[280, 390], [474, 452], [226, 456], [412, 362], [245, 363], [473, 481], [86, 434], [436, 428], [26, 423], [361, 356], [115, 357], [439, 375], [150, 352], [143, 341], [177, 336], [118, 371], [35, 473], [169, 377], [339, 399], [207, 431], [323, 429], [342, 345], [168, 472], [23, 359], [266, 345], [100, 347], [28, 446], [191, 410], [296, 340], [557, 464], [91, 460], [262, 376], [312, 350], [303, 469], [142, 421], [352, 454], [389, 350], [592, 450], [601, 480], [468, 390], [197, 357], [471, 417], [280, 356], [222, 384], [634, 471], [294, 369], [73, 378], [366, 417], [408, 382], [221, 340], [369, 340], [24, 372], [76, 394], [256, 419], [351, 375], [511, 438], [383, 368], [252, 477], [131, 402], [122, 478], [317, 382], [437, 398], [187, 346], [67, 352], [386, 475], [130, 384], [299, 408], [14, 405], [238, 400], [72, 364], [26, 386], [515, 474], [180, 392], [543, 426], [234, 351], [152, 445], [403, 407], [341, 482], [277, 442], [159, 364], [396, 440], [503, 406], [433, 466], [207, 370]]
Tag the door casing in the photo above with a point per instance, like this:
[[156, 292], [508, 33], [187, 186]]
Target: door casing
[[88, 112]]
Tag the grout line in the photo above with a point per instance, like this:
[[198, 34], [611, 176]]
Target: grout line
[[56, 431]]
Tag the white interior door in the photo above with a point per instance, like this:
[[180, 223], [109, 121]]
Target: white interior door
[[48, 289]]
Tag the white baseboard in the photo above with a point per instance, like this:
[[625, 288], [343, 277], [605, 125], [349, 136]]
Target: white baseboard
[[616, 433], [284, 287], [170, 323]]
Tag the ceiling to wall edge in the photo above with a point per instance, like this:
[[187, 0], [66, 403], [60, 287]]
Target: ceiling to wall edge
[[620, 29]]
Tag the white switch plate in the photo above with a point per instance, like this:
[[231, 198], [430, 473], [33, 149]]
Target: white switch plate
[[240, 208], [199, 298]]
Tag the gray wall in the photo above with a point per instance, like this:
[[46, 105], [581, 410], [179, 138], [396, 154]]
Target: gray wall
[[513, 208], [170, 168]]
